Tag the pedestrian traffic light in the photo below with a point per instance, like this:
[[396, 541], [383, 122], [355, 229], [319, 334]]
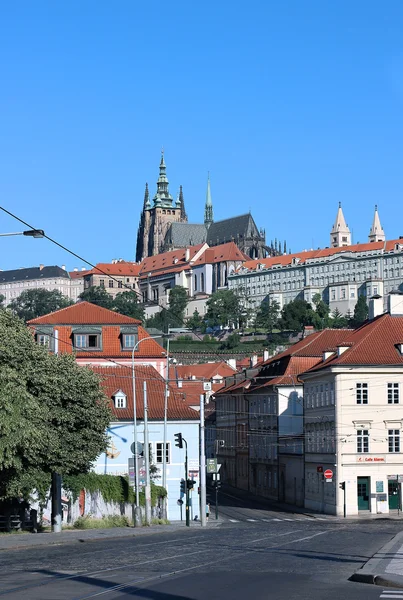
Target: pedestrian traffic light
[[342, 485], [190, 484], [183, 486], [178, 440]]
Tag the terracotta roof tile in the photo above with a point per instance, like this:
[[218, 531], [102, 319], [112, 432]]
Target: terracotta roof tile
[[220, 253], [203, 370], [119, 268], [83, 313], [120, 378], [169, 260]]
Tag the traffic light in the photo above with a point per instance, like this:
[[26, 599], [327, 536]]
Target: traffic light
[[342, 485], [190, 484], [178, 440], [183, 486]]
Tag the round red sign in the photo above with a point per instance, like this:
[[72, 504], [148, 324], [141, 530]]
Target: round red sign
[[328, 474]]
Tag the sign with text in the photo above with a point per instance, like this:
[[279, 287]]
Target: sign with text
[[211, 465], [371, 459]]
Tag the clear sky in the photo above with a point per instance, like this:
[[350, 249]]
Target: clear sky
[[292, 106]]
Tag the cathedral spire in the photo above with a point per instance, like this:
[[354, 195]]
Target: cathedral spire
[[376, 233], [180, 203], [147, 203], [340, 234], [163, 197], [208, 209]]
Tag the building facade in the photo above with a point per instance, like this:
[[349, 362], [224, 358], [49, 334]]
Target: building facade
[[339, 274], [115, 277], [16, 281]]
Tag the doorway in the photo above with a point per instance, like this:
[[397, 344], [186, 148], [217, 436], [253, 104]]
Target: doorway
[[393, 495], [363, 493]]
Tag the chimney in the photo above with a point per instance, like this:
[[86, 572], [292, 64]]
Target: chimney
[[41, 267], [395, 304], [179, 383], [64, 267], [83, 269], [76, 269], [375, 307], [253, 360], [232, 363], [187, 255], [266, 355]]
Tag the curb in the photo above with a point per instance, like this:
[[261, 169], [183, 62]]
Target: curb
[[371, 572], [376, 580]]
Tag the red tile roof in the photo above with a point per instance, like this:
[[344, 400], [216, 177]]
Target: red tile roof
[[175, 259], [314, 344], [119, 268], [83, 313], [203, 371], [78, 274], [120, 378], [220, 253], [374, 343], [286, 259]]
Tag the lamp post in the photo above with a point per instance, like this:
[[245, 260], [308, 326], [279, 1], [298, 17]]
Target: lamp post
[[35, 233], [137, 511], [164, 454]]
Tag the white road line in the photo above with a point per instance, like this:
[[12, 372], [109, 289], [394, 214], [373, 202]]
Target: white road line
[[276, 519], [251, 520], [392, 595], [288, 519], [234, 521]]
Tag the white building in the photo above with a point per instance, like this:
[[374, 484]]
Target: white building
[[340, 273], [16, 281], [354, 418]]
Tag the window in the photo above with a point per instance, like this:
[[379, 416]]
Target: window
[[120, 400], [195, 283], [43, 340], [361, 393], [394, 440], [129, 339], [343, 293], [159, 452], [393, 393], [362, 440], [202, 282], [102, 283], [120, 284], [87, 340], [111, 283]]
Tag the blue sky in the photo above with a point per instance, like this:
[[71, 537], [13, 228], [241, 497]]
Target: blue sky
[[292, 106]]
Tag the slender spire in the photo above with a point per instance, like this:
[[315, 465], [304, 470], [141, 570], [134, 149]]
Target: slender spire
[[163, 196], [146, 198], [376, 233], [340, 234], [181, 204], [208, 209]]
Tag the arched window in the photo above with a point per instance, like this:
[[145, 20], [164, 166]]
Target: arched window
[[195, 283], [202, 282]]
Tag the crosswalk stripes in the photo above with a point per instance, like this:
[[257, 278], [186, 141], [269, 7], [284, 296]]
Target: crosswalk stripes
[[277, 520], [389, 593]]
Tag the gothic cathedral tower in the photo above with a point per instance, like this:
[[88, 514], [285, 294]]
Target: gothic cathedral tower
[[157, 217]]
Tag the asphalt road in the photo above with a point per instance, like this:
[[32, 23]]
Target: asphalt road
[[253, 559]]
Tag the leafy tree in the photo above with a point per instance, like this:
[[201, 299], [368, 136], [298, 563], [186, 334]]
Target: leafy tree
[[268, 315], [360, 312], [178, 299], [224, 307], [97, 295], [195, 321], [2, 299], [321, 316], [126, 303], [36, 302], [231, 342], [338, 320], [295, 315], [53, 414]]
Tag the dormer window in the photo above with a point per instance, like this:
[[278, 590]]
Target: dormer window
[[43, 340], [120, 399], [129, 339]]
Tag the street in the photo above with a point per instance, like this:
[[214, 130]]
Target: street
[[287, 556]]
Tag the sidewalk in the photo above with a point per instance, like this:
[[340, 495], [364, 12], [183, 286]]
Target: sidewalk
[[16, 541], [385, 567]]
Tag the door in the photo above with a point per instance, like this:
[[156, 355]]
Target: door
[[393, 495], [363, 493]]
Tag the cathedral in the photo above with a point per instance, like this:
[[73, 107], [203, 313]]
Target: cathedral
[[164, 225]]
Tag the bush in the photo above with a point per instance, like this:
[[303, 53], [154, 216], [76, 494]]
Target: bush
[[106, 522], [160, 522]]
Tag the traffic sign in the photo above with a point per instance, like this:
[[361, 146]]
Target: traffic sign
[[319, 469], [211, 465], [328, 474]]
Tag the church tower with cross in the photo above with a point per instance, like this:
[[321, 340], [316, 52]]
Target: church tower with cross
[[157, 216]]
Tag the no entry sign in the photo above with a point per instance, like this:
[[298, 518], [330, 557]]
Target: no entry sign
[[328, 474]]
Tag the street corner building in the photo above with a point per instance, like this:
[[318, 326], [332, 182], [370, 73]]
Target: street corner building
[[117, 383]]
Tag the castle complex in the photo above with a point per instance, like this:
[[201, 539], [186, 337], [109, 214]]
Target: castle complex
[[164, 225]]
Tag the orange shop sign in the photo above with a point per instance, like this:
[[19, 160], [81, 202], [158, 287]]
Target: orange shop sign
[[371, 459]]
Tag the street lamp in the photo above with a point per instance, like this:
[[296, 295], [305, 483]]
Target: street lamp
[[137, 511], [35, 233]]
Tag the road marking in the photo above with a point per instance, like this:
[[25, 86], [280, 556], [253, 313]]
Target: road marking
[[288, 519], [234, 521], [251, 520], [393, 594], [276, 519]]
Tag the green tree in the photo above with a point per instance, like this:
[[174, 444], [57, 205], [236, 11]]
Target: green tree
[[97, 295], [53, 413], [195, 321], [37, 302], [295, 315], [231, 342], [126, 303], [321, 318], [338, 320], [268, 315], [178, 299], [2, 299], [360, 312], [224, 308]]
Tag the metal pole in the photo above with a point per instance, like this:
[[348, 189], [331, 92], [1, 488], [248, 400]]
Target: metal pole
[[186, 484], [344, 503], [147, 458], [202, 466], [164, 454], [137, 509], [56, 503], [216, 499]]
